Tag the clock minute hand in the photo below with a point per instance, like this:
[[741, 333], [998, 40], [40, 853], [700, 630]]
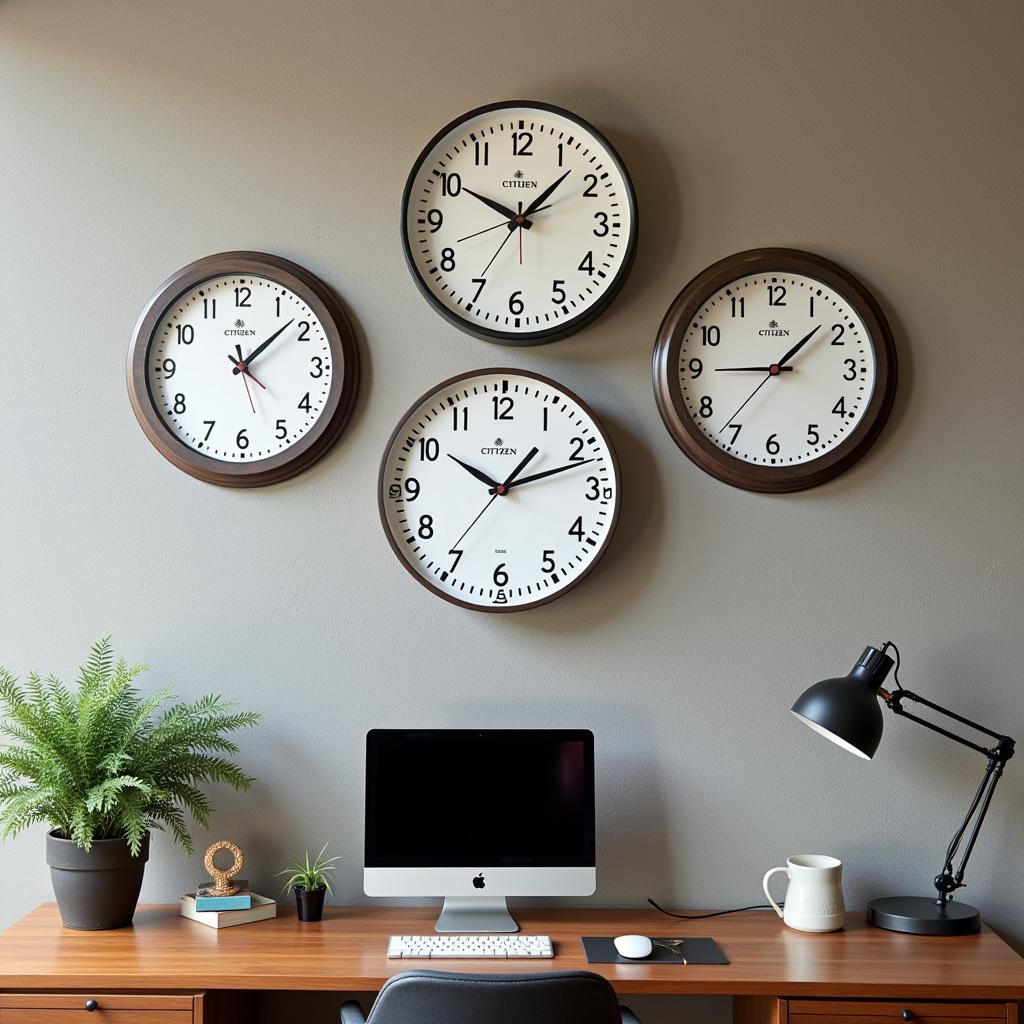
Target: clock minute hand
[[549, 472], [259, 348], [481, 476], [756, 369], [543, 197]]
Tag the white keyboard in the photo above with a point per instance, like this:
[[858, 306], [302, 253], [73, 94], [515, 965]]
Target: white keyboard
[[500, 947]]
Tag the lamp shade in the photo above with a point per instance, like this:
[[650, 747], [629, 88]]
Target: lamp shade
[[846, 709]]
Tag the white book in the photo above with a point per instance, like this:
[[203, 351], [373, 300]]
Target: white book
[[262, 909]]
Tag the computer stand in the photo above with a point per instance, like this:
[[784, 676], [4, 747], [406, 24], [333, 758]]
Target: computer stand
[[481, 914]]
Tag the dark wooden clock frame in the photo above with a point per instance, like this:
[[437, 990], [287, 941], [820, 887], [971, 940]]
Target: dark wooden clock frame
[[521, 339], [689, 437], [344, 373], [398, 548]]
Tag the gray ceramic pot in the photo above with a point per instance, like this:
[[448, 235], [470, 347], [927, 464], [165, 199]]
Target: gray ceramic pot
[[98, 889]]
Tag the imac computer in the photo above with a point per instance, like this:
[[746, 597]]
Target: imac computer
[[477, 815]]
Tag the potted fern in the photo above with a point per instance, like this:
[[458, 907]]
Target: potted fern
[[103, 767], [310, 882]]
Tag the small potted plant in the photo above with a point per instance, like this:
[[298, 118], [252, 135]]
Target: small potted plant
[[102, 770], [310, 882]]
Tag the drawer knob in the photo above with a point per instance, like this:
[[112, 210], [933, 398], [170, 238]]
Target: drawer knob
[[907, 1014], [91, 1004]]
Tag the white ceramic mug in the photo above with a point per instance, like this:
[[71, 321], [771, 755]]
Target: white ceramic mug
[[814, 899]]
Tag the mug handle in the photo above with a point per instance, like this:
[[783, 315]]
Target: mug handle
[[764, 885]]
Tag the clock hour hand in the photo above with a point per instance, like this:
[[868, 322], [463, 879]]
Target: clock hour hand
[[481, 476], [503, 488], [240, 366], [796, 348], [543, 197], [548, 472], [259, 348], [503, 210]]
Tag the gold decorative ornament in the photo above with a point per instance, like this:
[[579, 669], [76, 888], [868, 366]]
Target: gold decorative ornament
[[222, 876]]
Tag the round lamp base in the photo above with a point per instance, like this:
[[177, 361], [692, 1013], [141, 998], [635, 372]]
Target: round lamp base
[[921, 915]]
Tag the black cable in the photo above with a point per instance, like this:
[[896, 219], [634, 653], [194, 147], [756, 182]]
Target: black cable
[[716, 913]]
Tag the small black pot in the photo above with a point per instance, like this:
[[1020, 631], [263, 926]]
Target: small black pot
[[310, 903], [98, 889]]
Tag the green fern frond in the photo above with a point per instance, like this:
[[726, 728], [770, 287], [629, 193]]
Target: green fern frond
[[98, 763]]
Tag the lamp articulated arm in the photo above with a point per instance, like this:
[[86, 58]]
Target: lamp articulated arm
[[949, 880]]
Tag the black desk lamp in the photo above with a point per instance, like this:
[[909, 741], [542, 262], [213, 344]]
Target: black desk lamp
[[846, 710]]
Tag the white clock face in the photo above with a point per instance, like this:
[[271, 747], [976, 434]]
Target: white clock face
[[499, 490], [519, 222], [239, 368], [776, 369]]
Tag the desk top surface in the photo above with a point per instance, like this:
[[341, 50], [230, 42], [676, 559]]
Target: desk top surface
[[346, 952]]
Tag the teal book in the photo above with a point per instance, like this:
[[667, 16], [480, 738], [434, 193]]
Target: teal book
[[241, 900]]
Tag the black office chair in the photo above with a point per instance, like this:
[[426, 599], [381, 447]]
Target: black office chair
[[434, 997]]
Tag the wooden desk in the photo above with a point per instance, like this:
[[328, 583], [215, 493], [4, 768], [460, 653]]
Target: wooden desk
[[780, 976]]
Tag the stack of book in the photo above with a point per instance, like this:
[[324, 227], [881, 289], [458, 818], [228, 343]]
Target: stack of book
[[242, 907]]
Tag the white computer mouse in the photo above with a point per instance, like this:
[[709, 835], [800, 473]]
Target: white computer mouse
[[634, 947]]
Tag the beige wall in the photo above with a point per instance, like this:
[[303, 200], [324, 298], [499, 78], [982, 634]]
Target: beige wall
[[135, 137]]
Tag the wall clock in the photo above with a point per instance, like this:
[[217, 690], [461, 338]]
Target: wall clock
[[499, 490], [774, 370], [242, 369], [519, 222]]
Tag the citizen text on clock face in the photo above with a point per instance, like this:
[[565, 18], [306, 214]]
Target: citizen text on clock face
[[776, 369], [239, 368], [499, 490], [519, 222]]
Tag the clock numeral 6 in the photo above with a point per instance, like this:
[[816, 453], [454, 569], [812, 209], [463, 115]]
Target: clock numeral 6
[[500, 577], [772, 446], [547, 563], [242, 439], [515, 303]]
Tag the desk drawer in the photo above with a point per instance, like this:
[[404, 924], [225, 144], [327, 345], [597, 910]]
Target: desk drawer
[[845, 1011], [71, 1008]]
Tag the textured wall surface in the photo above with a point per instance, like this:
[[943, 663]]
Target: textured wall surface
[[135, 137]]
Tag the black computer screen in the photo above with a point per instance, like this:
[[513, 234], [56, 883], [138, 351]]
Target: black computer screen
[[467, 798]]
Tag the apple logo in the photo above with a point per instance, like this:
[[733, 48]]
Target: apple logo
[[478, 882]]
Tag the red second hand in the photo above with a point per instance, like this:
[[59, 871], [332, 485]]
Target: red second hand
[[247, 393]]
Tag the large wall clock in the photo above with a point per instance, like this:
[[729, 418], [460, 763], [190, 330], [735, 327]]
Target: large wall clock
[[499, 490], [242, 369], [774, 370], [519, 222]]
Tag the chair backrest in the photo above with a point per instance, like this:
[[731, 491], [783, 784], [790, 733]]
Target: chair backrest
[[435, 997]]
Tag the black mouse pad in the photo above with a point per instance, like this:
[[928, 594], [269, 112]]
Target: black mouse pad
[[601, 950]]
